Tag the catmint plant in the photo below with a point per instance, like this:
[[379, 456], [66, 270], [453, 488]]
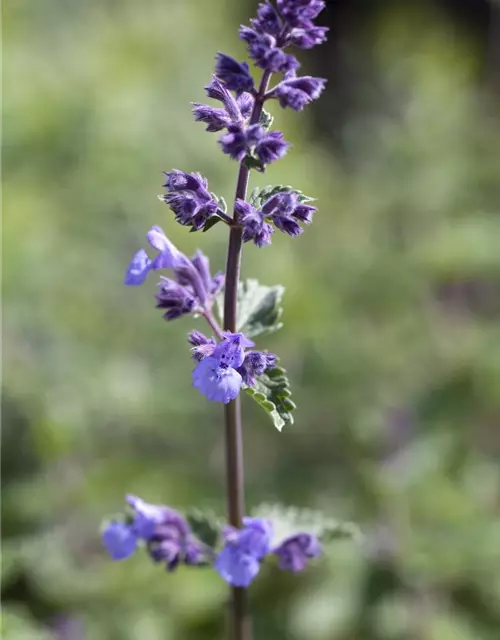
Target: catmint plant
[[226, 361]]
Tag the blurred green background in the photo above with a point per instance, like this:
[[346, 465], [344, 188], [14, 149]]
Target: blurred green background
[[391, 336]]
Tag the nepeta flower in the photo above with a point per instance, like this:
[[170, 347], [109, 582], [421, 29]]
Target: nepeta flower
[[307, 37], [216, 375], [255, 364], [271, 147], [295, 552], [167, 534], [188, 197], [235, 75], [266, 52], [239, 561], [120, 540], [299, 13], [169, 257], [178, 300], [215, 118], [297, 92], [202, 347], [284, 210], [254, 226]]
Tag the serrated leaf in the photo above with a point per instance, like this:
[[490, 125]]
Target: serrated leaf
[[222, 204], [272, 392], [266, 120], [251, 162], [205, 525], [211, 222], [259, 308], [288, 521]]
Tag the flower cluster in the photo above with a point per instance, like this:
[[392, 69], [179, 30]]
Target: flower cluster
[[223, 368], [188, 197], [165, 533], [285, 210], [168, 538], [273, 31], [193, 289]]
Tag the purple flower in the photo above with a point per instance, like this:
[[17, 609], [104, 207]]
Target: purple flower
[[299, 13], [215, 375], [189, 198], [178, 300], [286, 211], [254, 226], [215, 118], [168, 535], [268, 20], [255, 364], [235, 75], [234, 142], [295, 552], [239, 561], [265, 52], [169, 257], [202, 347], [120, 540], [271, 147], [297, 92], [215, 382], [308, 37], [146, 516]]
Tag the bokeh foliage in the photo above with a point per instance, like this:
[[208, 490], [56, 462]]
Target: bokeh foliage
[[391, 334]]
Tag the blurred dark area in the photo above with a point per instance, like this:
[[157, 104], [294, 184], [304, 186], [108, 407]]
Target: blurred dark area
[[391, 332]]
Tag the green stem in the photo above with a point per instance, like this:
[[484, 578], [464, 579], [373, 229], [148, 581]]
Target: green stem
[[240, 620]]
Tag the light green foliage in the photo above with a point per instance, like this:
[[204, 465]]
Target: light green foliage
[[288, 521], [391, 340], [259, 308], [272, 392]]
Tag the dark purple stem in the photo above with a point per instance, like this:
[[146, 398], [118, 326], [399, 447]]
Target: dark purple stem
[[240, 620]]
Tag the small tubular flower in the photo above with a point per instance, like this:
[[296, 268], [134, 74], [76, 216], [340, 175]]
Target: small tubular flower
[[216, 376], [175, 298], [239, 561], [169, 257], [120, 540], [295, 552], [271, 147], [255, 364], [254, 226], [235, 75], [296, 93], [286, 211], [189, 198], [299, 13], [215, 118]]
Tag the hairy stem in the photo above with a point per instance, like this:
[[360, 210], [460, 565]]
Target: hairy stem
[[240, 620]]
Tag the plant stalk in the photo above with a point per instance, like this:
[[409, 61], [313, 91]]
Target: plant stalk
[[240, 625]]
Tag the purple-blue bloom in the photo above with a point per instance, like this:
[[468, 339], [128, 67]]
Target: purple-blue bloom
[[296, 93], [255, 364], [169, 257], [295, 552], [235, 75], [216, 375], [271, 147], [189, 198], [120, 540], [239, 561], [254, 226]]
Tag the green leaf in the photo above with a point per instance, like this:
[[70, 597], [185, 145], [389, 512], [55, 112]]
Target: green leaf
[[287, 521], [272, 392], [259, 308], [266, 120], [205, 525], [211, 222], [251, 162]]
